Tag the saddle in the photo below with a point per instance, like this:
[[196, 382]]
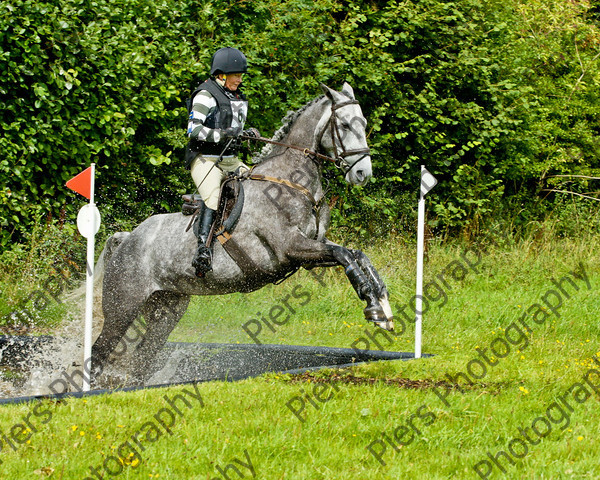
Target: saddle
[[231, 204]]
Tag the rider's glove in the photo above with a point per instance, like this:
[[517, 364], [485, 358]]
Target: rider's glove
[[251, 132], [231, 132]]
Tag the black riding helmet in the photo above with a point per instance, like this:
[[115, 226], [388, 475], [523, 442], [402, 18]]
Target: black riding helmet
[[228, 60]]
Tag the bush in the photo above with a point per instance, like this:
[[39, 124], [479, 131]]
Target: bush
[[53, 253], [493, 97]]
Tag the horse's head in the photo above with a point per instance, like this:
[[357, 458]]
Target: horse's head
[[342, 134]]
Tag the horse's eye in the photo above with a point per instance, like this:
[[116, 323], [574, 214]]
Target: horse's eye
[[345, 126]]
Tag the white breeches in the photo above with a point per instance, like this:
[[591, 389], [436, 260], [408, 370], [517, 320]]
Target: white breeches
[[208, 176]]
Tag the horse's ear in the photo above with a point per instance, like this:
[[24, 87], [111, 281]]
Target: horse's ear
[[327, 91], [335, 97], [348, 91]]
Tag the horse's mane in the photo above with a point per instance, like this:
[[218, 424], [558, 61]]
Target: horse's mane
[[285, 128]]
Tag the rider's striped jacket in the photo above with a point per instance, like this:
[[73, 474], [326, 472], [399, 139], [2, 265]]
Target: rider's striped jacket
[[204, 116]]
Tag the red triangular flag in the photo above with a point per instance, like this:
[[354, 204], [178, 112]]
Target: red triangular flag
[[82, 183]]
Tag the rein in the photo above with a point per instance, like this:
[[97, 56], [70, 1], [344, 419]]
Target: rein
[[340, 158], [306, 151]]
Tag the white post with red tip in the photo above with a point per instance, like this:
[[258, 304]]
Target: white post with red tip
[[88, 223]]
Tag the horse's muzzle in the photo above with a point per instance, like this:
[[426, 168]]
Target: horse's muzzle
[[360, 172]]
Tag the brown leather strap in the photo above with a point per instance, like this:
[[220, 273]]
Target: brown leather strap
[[246, 264], [340, 158], [305, 151], [287, 183], [224, 237], [240, 257]]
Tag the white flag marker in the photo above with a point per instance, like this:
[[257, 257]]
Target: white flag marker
[[428, 181]]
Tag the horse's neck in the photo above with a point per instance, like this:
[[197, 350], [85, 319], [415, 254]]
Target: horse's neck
[[304, 130], [293, 165]]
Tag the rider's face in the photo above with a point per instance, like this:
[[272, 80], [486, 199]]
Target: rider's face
[[232, 81]]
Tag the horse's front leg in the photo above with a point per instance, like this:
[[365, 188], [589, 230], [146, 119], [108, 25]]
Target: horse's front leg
[[362, 275], [366, 282], [382, 294]]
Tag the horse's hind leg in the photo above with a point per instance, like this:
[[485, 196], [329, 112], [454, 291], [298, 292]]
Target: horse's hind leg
[[162, 312], [116, 323]]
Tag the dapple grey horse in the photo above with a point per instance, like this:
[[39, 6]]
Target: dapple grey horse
[[148, 271]]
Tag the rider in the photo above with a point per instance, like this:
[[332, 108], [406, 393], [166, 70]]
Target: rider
[[217, 116]]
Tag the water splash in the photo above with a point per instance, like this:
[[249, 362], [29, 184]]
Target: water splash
[[40, 365]]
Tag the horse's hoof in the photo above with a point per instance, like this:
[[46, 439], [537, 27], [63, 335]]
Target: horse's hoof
[[375, 314], [386, 325]]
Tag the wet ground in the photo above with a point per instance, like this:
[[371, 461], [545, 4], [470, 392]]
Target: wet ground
[[42, 365]]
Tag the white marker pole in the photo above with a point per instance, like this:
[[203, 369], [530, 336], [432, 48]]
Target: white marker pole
[[88, 221], [89, 292], [428, 181]]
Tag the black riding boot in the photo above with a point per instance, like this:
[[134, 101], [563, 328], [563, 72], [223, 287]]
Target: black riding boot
[[203, 259]]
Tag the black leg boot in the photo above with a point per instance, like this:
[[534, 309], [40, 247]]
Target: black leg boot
[[203, 259]]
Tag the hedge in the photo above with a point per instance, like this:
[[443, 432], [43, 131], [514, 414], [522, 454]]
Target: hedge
[[494, 97]]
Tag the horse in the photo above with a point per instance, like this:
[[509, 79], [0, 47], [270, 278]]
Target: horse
[[281, 228]]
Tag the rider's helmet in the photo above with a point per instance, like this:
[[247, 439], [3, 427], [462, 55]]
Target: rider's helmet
[[228, 60]]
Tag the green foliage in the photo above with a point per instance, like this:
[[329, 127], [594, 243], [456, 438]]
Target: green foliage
[[493, 97], [459, 87], [52, 251], [81, 85]]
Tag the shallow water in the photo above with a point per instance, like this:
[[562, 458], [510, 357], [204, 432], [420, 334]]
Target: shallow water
[[33, 367]]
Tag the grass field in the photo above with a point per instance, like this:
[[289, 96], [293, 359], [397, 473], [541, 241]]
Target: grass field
[[510, 392]]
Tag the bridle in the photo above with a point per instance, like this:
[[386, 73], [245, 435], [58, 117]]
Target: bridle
[[340, 157]]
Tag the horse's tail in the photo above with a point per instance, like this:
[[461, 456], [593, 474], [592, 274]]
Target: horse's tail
[[109, 248]]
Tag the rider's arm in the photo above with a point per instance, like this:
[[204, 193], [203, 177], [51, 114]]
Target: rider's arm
[[202, 106]]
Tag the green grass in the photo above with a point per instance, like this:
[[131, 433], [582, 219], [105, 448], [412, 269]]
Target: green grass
[[366, 401]]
